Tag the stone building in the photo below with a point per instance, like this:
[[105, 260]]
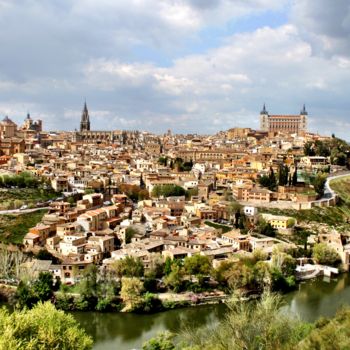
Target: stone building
[[288, 124]]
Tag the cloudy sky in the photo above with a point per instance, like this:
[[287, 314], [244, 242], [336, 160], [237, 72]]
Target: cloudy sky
[[188, 65]]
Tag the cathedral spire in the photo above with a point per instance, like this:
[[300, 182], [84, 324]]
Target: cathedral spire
[[85, 119], [303, 111]]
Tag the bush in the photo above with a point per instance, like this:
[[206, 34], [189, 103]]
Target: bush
[[42, 327]]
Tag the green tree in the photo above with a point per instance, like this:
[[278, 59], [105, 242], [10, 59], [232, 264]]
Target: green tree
[[197, 265], [319, 183], [168, 191], [163, 341], [131, 292], [43, 286], [88, 286], [128, 267], [325, 255], [25, 296], [265, 228], [167, 266], [42, 327], [175, 278], [130, 232]]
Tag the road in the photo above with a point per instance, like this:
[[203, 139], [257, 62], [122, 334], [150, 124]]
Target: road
[[328, 192], [18, 211]]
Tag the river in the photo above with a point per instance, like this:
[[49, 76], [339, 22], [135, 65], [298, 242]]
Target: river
[[119, 331]]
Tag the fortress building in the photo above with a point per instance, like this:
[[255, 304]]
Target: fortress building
[[288, 124]]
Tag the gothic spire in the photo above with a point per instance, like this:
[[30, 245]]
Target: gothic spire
[[264, 111], [303, 111]]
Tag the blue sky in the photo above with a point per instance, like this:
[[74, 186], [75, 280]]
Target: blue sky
[[188, 65]]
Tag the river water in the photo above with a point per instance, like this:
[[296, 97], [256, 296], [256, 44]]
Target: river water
[[118, 331]]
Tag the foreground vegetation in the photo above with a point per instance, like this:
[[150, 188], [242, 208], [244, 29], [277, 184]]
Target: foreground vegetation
[[42, 327], [260, 325]]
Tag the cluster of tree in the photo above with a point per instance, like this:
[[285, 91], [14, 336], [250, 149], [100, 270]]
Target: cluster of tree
[[190, 274], [265, 228], [42, 327], [168, 191], [338, 150], [134, 192], [163, 161], [269, 181], [22, 180], [285, 178], [255, 274]]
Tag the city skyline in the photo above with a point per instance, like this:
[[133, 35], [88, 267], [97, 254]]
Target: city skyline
[[191, 66]]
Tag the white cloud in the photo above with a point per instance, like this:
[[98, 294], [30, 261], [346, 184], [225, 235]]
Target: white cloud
[[127, 58]]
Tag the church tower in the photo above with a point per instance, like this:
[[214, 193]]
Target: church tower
[[85, 119], [264, 119]]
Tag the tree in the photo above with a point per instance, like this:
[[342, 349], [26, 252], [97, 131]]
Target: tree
[[325, 255], [25, 296], [128, 267], [197, 265], [283, 262], [43, 286], [272, 178], [42, 327], [269, 181], [130, 232], [175, 278], [283, 175], [131, 291], [168, 191], [308, 149], [156, 266], [234, 208], [88, 286], [163, 341], [319, 183], [167, 266], [265, 228]]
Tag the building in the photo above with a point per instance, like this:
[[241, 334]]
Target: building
[[31, 125], [7, 128], [289, 124]]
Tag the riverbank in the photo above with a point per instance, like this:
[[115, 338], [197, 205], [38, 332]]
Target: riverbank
[[311, 300]]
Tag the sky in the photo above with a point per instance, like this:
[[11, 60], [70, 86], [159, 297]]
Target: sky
[[192, 66]]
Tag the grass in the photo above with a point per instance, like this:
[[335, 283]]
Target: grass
[[342, 187], [14, 227], [16, 197], [218, 226]]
